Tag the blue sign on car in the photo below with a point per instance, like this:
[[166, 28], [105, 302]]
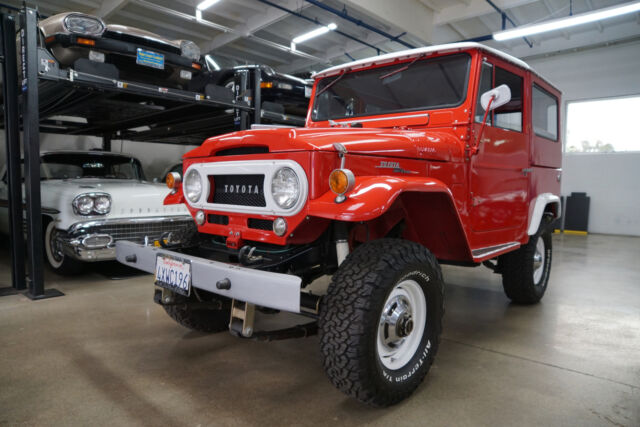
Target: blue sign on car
[[150, 59]]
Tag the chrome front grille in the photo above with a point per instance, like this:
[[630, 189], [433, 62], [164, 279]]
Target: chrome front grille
[[136, 232]]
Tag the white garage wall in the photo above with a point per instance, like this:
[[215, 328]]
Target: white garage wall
[[611, 180]]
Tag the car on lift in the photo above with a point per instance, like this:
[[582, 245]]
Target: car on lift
[[77, 40], [284, 93], [91, 200], [445, 154]]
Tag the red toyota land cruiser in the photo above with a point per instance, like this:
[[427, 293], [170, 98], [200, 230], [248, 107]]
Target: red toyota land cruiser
[[443, 154]]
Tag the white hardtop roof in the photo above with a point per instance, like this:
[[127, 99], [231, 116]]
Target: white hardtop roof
[[410, 53]]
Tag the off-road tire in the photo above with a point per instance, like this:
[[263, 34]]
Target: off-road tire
[[351, 312], [60, 263], [517, 269], [201, 320]]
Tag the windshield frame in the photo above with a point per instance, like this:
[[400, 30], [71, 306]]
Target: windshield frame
[[97, 155], [391, 67]]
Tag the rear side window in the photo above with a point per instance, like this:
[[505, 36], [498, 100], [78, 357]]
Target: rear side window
[[509, 116], [545, 113]]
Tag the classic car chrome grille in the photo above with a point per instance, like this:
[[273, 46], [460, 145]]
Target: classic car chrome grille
[[137, 232], [243, 190]]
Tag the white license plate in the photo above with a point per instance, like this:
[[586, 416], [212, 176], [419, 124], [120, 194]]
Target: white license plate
[[150, 59], [174, 274]]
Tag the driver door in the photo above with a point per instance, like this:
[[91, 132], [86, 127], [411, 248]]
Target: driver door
[[499, 171]]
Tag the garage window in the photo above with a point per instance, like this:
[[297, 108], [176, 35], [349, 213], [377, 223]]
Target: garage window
[[603, 125], [545, 113]]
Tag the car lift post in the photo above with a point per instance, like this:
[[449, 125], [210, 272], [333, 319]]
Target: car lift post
[[31, 136], [257, 95], [12, 140]]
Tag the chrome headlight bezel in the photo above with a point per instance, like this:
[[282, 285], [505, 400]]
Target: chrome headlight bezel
[[190, 50], [292, 186], [69, 26], [85, 204], [192, 185]]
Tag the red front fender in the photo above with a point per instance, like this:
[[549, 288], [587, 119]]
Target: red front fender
[[372, 196]]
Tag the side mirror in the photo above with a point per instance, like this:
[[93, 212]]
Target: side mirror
[[501, 95]]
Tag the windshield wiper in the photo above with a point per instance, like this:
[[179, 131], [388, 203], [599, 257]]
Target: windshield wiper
[[401, 69], [334, 81]]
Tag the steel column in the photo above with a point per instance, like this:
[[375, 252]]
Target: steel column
[[257, 95], [106, 142], [12, 140], [31, 137]]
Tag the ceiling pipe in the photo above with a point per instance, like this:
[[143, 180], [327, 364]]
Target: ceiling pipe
[[506, 18], [315, 21], [343, 14], [222, 28]]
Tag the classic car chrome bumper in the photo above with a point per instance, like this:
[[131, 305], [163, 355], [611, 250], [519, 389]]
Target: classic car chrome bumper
[[267, 289], [95, 240]]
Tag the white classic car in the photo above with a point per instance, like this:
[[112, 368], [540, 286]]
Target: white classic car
[[92, 199]]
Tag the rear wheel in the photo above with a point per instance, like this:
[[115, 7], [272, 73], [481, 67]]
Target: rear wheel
[[381, 320], [525, 272], [58, 261]]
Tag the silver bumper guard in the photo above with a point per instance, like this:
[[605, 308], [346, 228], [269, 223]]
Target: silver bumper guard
[[267, 289]]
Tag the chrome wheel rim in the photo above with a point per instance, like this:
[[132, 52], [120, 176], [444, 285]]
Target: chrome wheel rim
[[402, 324], [52, 247], [538, 261]]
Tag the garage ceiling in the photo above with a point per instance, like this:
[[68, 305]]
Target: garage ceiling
[[253, 31]]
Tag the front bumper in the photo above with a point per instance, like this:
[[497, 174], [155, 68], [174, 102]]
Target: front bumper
[[95, 240], [263, 288]]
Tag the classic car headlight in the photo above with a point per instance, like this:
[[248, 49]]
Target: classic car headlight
[[285, 188], [92, 203], [190, 50], [83, 24], [102, 204], [193, 185]]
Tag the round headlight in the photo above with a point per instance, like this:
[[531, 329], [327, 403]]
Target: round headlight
[[83, 205], [102, 204], [190, 50], [193, 185], [83, 24], [285, 188]]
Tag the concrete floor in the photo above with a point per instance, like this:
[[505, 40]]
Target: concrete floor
[[104, 354]]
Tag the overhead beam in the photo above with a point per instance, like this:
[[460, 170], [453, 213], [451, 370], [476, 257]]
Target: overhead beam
[[109, 7], [253, 24], [411, 16], [460, 12]]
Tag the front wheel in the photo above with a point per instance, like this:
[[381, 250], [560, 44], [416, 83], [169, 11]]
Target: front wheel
[[59, 262], [381, 320], [525, 272]]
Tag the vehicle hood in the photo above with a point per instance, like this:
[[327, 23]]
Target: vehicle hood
[[409, 143], [129, 199]]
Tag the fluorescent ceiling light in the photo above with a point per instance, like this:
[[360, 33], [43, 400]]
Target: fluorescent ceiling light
[[211, 62], [571, 21], [206, 4], [311, 34]]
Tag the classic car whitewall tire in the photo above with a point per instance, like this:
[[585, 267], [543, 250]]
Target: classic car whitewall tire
[[59, 263]]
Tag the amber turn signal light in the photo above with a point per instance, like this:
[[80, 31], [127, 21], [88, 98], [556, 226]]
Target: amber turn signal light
[[341, 181], [173, 180], [86, 42], [196, 65], [266, 85]]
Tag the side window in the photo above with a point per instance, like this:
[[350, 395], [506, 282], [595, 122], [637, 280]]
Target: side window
[[545, 113], [486, 83], [509, 116]]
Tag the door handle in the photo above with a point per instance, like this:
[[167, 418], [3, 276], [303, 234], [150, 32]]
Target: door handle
[[526, 171]]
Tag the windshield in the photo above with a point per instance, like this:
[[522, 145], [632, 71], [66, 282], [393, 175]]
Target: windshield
[[81, 165], [426, 84]]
